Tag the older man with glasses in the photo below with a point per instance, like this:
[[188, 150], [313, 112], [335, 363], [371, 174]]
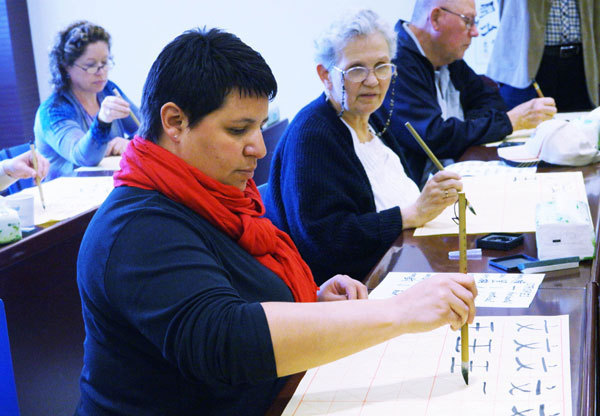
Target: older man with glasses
[[445, 101]]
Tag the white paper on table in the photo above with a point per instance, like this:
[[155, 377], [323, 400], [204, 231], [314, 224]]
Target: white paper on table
[[518, 365], [68, 196], [488, 168], [495, 290], [507, 203], [109, 163]]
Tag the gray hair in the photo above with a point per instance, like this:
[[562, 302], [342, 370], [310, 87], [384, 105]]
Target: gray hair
[[423, 8], [363, 22]]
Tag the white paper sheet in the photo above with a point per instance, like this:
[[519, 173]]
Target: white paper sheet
[[518, 365], [495, 290], [488, 168], [109, 163], [66, 197], [507, 203]]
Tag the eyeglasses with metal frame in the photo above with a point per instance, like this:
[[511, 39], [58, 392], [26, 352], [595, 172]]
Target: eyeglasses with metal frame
[[360, 73], [469, 21], [94, 69]]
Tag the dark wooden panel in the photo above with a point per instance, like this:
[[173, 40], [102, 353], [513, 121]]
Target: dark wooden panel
[[43, 310]]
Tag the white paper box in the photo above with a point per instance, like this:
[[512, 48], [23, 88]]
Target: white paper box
[[564, 229]]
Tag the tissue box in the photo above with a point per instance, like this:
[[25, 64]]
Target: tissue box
[[10, 226], [564, 229]]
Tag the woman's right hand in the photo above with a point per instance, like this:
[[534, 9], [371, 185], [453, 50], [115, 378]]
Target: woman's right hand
[[113, 108], [439, 192], [437, 301], [21, 166]]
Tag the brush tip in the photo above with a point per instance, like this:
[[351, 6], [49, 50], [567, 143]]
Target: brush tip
[[465, 373]]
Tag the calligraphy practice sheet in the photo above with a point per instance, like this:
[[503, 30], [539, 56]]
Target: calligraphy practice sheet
[[495, 290], [490, 167], [518, 366], [506, 203], [68, 196]]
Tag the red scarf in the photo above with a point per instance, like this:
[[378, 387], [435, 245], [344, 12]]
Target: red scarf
[[238, 214]]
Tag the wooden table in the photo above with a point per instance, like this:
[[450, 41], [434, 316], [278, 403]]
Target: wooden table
[[571, 292], [38, 286], [43, 311]]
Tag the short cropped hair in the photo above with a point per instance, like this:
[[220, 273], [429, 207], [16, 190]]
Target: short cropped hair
[[422, 9], [69, 45], [363, 22], [197, 71]]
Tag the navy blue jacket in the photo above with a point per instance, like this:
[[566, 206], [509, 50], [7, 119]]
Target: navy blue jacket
[[416, 101], [172, 314], [319, 193]]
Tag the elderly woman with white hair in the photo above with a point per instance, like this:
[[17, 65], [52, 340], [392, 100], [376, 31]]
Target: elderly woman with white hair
[[337, 183]]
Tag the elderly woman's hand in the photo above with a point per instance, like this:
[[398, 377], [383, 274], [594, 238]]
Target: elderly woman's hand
[[341, 287], [113, 108], [438, 193]]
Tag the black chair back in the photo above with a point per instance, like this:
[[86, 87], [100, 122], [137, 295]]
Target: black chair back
[[271, 136]]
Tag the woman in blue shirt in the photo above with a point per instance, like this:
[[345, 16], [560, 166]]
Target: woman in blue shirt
[[87, 116]]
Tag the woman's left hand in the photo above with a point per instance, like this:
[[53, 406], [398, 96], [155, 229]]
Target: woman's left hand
[[341, 287], [116, 146]]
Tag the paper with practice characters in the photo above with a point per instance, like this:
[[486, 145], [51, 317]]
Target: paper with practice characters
[[490, 167], [518, 365], [495, 290], [507, 203], [66, 197]]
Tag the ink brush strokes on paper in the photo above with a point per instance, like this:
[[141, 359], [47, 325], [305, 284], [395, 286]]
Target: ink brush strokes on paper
[[519, 365]]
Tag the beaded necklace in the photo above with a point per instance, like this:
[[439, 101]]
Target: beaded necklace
[[389, 118]]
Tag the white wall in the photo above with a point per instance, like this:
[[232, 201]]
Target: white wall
[[282, 31]]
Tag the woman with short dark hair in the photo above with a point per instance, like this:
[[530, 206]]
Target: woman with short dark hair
[[87, 116], [193, 302]]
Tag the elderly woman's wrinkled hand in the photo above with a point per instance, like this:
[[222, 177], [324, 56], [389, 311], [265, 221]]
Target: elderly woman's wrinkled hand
[[113, 108], [341, 287], [439, 192]]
